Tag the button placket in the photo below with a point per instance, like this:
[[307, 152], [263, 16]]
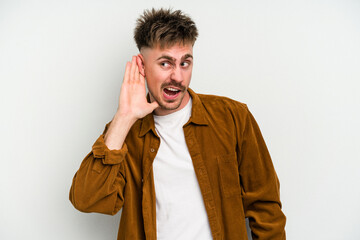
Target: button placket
[[204, 182]]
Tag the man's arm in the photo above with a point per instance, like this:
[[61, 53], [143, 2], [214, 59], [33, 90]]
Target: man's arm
[[99, 183], [260, 185]]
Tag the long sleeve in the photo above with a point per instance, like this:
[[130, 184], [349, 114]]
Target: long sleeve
[[260, 185], [99, 183]]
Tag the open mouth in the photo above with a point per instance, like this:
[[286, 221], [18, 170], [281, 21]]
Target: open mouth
[[171, 91]]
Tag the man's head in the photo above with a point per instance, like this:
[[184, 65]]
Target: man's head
[[164, 28], [165, 40]]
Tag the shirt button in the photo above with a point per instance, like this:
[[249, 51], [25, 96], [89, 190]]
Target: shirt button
[[152, 150]]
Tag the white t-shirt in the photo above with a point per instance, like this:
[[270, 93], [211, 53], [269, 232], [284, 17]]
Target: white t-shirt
[[180, 210]]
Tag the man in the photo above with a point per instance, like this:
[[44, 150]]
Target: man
[[181, 165]]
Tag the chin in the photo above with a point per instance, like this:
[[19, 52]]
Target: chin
[[170, 105]]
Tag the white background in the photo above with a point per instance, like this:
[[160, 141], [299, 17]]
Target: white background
[[295, 63]]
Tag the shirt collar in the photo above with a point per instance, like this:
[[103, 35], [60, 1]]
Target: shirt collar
[[197, 115]]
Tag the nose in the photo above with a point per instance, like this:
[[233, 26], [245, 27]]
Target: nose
[[177, 74]]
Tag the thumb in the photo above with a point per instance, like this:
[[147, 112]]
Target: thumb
[[154, 105]]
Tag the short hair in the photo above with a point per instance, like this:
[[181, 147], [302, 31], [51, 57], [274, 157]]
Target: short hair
[[164, 28]]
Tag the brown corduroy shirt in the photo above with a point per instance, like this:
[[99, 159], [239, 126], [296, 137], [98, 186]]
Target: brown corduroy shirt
[[232, 165]]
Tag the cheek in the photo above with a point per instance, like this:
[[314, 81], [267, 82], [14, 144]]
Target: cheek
[[158, 77], [151, 72], [154, 80], [188, 76]]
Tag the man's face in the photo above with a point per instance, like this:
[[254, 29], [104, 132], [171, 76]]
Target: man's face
[[168, 73]]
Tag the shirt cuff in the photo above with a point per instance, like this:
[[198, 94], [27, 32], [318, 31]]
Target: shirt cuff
[[100, 150]]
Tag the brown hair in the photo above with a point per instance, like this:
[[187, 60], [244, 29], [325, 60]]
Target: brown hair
[[165, 28]]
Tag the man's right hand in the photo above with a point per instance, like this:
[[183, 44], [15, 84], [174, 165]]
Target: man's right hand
[[133, 105], [132, 100]]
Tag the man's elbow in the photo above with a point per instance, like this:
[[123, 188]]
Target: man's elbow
[[79, 201]]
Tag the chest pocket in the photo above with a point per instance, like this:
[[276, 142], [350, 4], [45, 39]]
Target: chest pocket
[[229, 175]]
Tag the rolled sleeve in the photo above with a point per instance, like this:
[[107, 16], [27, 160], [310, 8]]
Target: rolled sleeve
[[109, 157], [98, 185]]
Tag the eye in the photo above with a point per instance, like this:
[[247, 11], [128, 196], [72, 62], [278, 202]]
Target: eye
[[165, 64], [185, 64]]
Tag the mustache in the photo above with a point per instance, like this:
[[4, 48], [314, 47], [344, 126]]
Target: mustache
[[175, 84]]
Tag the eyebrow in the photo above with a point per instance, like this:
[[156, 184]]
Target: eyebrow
[[186, 56]]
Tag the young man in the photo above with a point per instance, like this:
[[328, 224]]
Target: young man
[[181, 165]]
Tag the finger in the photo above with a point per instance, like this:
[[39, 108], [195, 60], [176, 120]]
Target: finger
[[127, 72], [154, 105], [132, 71]]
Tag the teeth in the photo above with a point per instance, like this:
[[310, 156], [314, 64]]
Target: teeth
[[172, 89]]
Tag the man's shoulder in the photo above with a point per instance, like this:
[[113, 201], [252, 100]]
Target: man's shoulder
[[221, 102], [223, 111]]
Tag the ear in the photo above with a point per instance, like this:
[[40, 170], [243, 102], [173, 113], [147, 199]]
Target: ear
[[140, 63]]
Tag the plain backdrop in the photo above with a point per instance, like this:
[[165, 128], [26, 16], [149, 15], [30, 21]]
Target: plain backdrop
[[295, 63]]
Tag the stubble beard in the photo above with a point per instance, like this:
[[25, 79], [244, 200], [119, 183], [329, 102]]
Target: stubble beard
[[161, 103]]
